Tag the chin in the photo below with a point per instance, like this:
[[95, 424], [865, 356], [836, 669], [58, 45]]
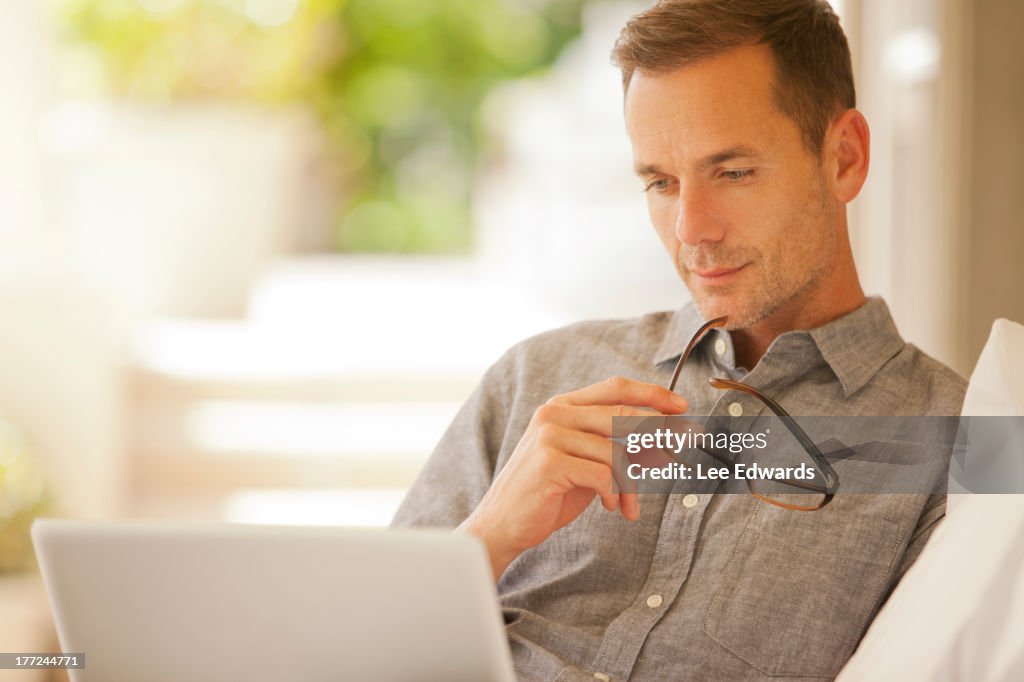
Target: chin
[[711, 306], [740, 315], [714, 300]]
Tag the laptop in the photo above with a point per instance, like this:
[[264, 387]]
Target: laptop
[[149, 602]]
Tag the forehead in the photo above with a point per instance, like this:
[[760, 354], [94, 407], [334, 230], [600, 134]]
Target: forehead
[[722, 101]]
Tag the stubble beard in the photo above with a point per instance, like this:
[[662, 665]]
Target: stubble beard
[[778, 280]]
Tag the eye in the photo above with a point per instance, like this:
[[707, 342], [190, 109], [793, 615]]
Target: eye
[[737, 175], [660, 185]]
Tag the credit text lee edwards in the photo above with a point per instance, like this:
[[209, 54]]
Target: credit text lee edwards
[[667, 440]]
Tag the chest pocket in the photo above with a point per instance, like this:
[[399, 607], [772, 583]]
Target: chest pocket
[[801, 586]]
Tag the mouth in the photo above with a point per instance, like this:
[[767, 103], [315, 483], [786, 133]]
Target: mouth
[[717, 275]]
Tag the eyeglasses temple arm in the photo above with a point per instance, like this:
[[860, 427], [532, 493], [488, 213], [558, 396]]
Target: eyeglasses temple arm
[[710, 324]]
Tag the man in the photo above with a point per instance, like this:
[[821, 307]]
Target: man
[[745, 136]]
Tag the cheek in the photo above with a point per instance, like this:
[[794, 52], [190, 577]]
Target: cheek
[[764, 216], [663, 218]]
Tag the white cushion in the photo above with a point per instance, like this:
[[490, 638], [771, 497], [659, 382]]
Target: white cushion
[[958, 613], [997, 384]]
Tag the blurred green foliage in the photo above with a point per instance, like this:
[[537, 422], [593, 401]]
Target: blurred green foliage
[[22, 499], [397, 85]]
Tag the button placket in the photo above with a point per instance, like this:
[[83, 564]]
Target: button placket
[[670, 567]]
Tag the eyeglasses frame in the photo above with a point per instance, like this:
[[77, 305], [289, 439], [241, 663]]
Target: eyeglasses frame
[[828, 473]]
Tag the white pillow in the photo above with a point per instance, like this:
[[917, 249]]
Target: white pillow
[[958, 613], [997, 384]]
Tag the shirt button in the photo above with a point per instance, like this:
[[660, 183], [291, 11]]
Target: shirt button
[[720, 347], [602, 677], [736, 410], [654, 601], [690, 501]]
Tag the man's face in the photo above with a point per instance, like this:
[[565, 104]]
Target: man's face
[[743, 208]]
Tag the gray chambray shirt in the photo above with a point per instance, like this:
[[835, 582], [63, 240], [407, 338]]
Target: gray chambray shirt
[[702, 587]]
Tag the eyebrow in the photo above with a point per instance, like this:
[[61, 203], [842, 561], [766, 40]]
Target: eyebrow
[[739, 152]]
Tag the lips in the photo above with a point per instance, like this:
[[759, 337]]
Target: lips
[[716, 274]]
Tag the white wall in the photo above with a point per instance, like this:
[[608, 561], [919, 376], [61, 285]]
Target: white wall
[[938, 229]]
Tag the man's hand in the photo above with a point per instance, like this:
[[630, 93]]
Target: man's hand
[[562, 462]]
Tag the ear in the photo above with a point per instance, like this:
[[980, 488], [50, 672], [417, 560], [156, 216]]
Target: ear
[[847, 154]]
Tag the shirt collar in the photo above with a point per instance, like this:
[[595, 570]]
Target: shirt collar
[[855, 346]]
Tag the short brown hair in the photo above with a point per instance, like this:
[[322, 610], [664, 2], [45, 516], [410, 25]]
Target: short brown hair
[[814, 77]]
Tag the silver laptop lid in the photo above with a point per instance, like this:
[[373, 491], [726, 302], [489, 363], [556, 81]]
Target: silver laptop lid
[[197, 602]]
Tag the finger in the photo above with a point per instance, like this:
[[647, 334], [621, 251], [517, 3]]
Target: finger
[[583, 473], [620, 470], [625, 486], [596, 419], [577, 443], [629, 506], [623, 391], [600, 449]]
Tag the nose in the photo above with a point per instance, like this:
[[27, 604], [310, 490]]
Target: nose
[[696, 219]]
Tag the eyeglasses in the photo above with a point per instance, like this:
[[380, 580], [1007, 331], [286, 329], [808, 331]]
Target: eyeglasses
[[798, 495]]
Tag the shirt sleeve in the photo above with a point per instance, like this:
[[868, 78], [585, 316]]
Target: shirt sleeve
[[462, 466]]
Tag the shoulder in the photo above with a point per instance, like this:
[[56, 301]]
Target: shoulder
[[923, 384]]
